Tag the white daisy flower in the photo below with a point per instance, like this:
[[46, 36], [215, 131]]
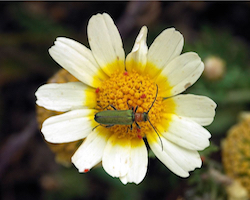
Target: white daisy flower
[[108, 78]]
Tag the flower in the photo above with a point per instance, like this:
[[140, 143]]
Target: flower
[[215, 68], [107, 78], [236, 152], [63, 151]]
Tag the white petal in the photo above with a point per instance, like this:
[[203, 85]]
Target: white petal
[[180, 73], [165, 48], [91, 150], [179, 160], [78, 60], [137, 58], [116, 156], [138, 162], [65, 96], [200, 109], [68, 127], [105, 43], [185, 132]]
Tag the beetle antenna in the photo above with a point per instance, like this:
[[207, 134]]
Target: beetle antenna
[[154, 99], [156, 133]]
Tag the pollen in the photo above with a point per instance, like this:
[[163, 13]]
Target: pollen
[[97, 90], [128, 91]]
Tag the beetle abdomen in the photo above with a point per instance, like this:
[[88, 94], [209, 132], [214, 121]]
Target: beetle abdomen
[[115, 117]]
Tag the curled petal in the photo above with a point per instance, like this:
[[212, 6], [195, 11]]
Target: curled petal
[[137, 58]]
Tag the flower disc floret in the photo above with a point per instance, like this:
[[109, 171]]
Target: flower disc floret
[[126, 91]]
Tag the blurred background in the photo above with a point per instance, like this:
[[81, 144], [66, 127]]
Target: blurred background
[[32, 169]]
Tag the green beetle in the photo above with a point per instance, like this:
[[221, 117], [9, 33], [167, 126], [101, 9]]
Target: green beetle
[[115, 117], [125, 117]]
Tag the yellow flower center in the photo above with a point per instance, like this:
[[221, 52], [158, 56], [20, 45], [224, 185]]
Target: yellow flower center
[[125, 91]]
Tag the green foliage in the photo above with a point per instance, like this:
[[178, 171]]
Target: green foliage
[[201, 184], [25, 55], [231, 92], [71, 185], [40, 25]]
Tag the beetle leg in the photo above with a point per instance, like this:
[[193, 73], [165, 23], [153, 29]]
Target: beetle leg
[[136, 108], [138, 126], [95, 127], [127, 128], [107, 126], [113, 107], [99, 106], [107, 107], [127, 104], [102, 107]]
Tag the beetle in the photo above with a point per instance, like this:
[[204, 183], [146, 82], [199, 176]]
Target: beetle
[[125, 117], [115, 117]]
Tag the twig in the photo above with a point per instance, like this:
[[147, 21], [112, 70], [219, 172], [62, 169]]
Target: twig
[[15, 143], [128, 20]]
